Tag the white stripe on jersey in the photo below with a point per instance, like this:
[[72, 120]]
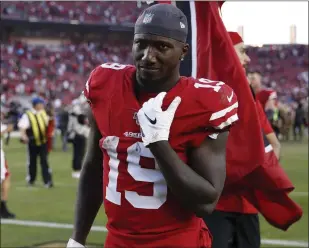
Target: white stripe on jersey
[[228, 122], [223, 112]]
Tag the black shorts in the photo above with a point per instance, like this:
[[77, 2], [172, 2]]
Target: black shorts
[[234, 230]]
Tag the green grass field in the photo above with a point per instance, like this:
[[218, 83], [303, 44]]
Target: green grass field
[[57, 204]]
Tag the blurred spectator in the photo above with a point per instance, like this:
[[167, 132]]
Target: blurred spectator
[[60, 72], [54, 71], [63, 11], [299, 122], [284, 67]]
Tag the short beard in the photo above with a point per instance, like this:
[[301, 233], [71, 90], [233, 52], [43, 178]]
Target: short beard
[[150, 85]]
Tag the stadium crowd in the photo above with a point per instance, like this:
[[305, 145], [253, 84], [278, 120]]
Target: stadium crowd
[[84, 12], [284, 68], [58, 72], [62, 70], [53, 74]]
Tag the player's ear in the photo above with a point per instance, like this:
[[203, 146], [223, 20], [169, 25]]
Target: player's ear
[[185, 50]]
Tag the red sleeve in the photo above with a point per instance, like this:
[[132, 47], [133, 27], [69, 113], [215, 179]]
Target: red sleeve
[[98, 79], [220, 113], [266, 127], [88, 90], [224, 114]]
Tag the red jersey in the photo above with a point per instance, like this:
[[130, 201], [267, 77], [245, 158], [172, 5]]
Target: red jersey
[[50, 133], [265, 95], [137, 201]]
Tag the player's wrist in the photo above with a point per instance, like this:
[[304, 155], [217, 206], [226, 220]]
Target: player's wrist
[[158, 144], [154, 139]]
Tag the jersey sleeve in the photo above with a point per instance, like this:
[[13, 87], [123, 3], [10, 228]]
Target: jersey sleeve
[[219, 113], [267, 129], [95, 81], [224, 113], [98, 80]]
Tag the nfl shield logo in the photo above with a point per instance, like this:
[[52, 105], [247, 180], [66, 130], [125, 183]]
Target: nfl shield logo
[[147, 18], [135, 118]]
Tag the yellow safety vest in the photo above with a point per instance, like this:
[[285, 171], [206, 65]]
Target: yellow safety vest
[[276, 115], [38, 124]]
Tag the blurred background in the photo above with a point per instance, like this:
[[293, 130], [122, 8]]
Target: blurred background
[[48, 49]]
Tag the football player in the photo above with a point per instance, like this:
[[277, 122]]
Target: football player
[[266, 96], [161, 139]]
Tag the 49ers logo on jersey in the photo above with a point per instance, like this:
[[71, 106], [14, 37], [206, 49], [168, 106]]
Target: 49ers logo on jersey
[[133, 134], [135, 118]]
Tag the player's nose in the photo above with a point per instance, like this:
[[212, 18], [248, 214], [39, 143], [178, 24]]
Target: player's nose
[[247, 59], [149, 54]]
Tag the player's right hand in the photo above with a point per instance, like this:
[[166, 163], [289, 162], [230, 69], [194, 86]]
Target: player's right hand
[[74, 244]]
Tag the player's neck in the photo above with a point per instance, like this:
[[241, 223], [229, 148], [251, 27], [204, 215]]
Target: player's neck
[[157, 86], [257, 89]]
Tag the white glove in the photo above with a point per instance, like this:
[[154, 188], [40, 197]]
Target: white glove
[[73, 244], [155, 124]]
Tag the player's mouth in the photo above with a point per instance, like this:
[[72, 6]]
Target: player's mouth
[[148, 69]]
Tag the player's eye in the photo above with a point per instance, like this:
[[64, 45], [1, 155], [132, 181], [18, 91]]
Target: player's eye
[[243, 51], [140, 44], [163, 47]]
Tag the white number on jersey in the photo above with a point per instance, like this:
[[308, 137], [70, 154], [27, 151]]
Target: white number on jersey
[[135, 152], [114, 66], [206, 83]]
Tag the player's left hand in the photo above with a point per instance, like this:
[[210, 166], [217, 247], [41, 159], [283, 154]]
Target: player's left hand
[[155, 124]]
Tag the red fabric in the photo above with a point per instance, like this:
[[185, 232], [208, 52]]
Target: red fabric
[[217, 60], [50, 132], [266, 126], [220, 3], [267, 189], [235, 37], [266, 183], [272, 199], [50, 128]]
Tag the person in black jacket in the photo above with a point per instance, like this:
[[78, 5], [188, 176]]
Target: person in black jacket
[[63, 126], [78, 130]]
